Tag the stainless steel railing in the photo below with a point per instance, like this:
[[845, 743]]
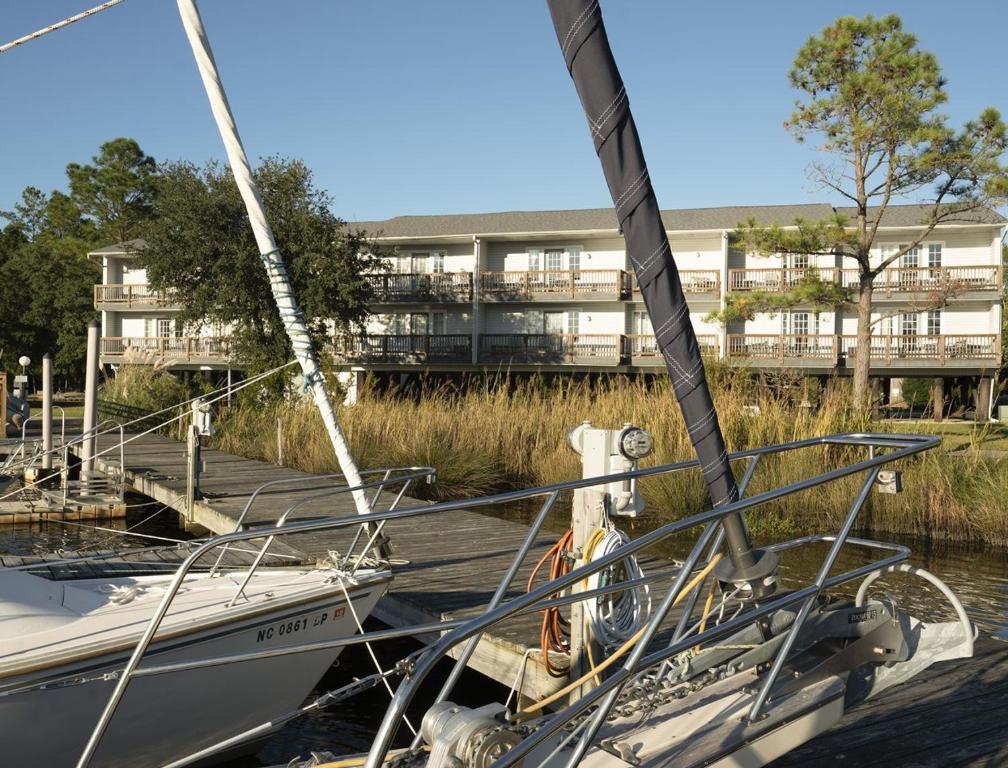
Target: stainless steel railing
[[881, 448]]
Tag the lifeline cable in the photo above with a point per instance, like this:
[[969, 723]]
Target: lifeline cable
[[58, 25]]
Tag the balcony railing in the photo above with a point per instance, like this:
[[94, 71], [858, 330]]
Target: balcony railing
[[582, 348], [894, 279], [782, 346], [422, 286], [129, 295], [695, 281], [938, 349], [405, 348], [645, 346], [168, 348], [926, 279], [775, 279], [563, 284]]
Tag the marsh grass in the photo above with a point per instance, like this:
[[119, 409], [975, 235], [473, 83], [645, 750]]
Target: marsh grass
[[503, 435]]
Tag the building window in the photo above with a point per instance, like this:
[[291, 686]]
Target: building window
[[437, 324], [910, 258], [574, 261], [418, 264], [553, 322], [554, 259], [573, 322], [908, 324], [534, 259], [934, 254], [437, 262], [799, 261], [642, 323], [418, 323], [404, 264], [934, 322], [800, 323]]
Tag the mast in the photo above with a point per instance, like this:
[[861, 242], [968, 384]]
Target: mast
[[585, 47], [276, 269]]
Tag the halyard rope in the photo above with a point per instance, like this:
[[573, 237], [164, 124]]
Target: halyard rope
[[58, 25]]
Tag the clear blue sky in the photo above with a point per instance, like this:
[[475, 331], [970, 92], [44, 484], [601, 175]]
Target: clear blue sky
[[436, 107]]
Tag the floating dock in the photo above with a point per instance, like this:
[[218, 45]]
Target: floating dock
[[952, 714]]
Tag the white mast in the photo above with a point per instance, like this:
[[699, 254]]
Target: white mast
[[290, 313]]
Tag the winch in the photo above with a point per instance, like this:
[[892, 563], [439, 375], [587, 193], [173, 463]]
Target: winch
[[460, 737]]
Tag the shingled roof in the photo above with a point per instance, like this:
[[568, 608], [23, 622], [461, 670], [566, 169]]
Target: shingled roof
[[119, 249], [914, 215], [585, 219]]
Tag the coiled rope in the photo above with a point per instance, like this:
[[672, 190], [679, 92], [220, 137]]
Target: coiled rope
[[554, 634], [613, 618]]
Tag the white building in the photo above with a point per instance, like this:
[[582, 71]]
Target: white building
[[553, 290], [139, 324]]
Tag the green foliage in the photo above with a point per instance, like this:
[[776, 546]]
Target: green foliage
[[201, 247], [116, 190], [916, 392], [810, 291], [46, 280], [870, 96]]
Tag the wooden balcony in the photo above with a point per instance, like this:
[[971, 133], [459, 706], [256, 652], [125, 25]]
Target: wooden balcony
[[951, 280], [957, 350], [560, 285], [893, 280], [440, 287], [775, 279], [696, 282], [642, 349], [170, 349], [547, 348], [404, 348], [129, 296], [799, 351]]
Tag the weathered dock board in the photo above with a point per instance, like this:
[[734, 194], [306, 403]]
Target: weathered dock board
[[446, 568]]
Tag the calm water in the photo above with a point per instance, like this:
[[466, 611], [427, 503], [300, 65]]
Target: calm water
[[979, 577]]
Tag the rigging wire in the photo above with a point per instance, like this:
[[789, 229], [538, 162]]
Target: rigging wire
[[224, 392], [58, 25]]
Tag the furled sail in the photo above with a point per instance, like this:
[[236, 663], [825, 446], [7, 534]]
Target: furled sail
[[585, 47]]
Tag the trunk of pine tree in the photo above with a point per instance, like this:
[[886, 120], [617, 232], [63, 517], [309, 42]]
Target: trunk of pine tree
[[862, 357]]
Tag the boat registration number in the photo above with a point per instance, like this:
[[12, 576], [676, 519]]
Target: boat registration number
[[293, 626]]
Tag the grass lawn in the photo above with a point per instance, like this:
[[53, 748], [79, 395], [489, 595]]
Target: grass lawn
[[957, 435]]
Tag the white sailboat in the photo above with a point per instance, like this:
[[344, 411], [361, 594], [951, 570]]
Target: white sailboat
[[63, 645]]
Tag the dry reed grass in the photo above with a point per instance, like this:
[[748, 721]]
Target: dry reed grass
[[508, 434]]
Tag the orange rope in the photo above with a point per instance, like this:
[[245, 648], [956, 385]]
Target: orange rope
[[555, 630]]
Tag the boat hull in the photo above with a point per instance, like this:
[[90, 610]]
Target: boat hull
[[168, 716]]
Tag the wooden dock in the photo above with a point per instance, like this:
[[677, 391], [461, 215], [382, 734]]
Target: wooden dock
[[953, 714]]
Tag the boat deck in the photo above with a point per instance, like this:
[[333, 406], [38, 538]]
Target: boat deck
[[953, 714]]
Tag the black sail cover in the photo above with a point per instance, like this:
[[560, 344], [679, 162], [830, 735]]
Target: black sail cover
[[585, 48]]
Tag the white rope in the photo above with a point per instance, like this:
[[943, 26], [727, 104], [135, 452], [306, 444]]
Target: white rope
[[615, 617], [276, 270], [58, 25]]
